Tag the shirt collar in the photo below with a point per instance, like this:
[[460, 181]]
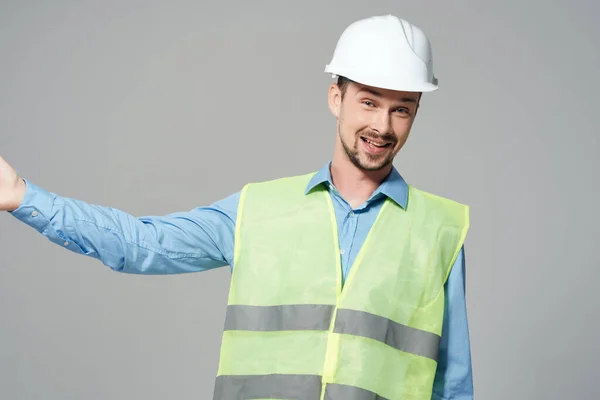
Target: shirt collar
[[393, 186]]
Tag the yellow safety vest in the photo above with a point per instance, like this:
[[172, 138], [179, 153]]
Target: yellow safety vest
[[291, 332]]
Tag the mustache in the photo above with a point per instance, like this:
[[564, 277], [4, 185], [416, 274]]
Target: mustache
[[388, 137]]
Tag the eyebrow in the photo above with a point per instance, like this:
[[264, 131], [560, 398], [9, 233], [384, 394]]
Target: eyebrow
[[378, 94]]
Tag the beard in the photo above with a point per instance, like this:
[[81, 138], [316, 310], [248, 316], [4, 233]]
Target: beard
[[364, 160]]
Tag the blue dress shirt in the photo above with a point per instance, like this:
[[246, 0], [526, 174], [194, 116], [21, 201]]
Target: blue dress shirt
[[203, 238]]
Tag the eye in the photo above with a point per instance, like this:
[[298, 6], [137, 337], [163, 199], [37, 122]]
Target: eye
[[402, 111], [368, 103]]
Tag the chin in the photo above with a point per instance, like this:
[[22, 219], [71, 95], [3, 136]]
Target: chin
[[372, 165], [374, 168]]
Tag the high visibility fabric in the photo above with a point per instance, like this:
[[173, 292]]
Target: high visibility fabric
[[289, 324]]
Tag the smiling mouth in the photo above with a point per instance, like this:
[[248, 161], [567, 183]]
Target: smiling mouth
[[375, 143]]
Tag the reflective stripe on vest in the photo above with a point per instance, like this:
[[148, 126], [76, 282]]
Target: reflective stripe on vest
[[318, 317], [293, 331], [296, 387]]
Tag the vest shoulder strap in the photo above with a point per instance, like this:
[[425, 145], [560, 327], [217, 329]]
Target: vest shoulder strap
[[441, 208]]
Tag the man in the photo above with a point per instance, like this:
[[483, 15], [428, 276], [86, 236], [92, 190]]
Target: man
[[346, 283]]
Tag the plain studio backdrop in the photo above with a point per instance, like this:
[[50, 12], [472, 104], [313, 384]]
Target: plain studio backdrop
[[155, 107]]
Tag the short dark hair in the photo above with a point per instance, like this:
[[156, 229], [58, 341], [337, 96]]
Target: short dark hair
[[342, 83]]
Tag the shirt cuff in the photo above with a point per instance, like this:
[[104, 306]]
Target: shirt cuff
[[35, 209]]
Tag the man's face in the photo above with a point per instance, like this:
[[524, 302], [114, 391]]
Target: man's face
[[373, 124]]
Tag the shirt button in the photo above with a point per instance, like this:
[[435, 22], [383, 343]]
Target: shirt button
[[66, 243], [34, 214], [341, 251], [352, 213]]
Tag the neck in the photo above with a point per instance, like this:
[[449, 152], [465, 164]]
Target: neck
[[354, 184]]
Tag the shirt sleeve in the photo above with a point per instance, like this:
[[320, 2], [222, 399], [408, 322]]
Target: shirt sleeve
[[191, 241], [454, 379]]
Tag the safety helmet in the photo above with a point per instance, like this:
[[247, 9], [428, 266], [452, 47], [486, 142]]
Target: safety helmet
[[385, 52]]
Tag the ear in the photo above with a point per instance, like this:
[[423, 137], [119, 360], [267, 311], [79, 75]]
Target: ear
[[334, 99]]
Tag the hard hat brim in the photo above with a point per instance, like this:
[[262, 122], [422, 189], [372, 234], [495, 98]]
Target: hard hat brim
[[386, 83]]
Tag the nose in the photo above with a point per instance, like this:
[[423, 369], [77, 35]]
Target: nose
[[382, 122]]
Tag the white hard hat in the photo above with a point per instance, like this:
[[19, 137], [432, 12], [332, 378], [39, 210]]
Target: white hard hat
[[385, 52]]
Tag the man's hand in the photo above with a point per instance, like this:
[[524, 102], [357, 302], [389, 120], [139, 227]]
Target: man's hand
[[12, 188]]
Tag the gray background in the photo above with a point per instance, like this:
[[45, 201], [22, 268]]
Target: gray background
[[155, 107]]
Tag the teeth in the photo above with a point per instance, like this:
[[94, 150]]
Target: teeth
[[374, 144]]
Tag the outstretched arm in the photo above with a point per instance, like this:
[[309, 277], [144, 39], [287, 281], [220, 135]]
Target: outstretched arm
[[191, 241]]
